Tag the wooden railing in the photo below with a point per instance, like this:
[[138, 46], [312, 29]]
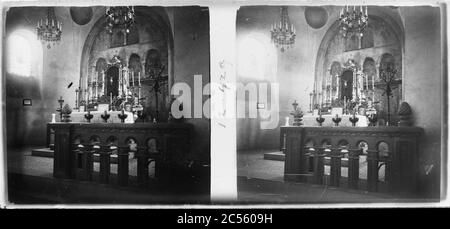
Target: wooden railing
[[311, 150], [76, 145]]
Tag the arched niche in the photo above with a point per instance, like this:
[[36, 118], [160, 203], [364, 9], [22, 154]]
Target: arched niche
[[134, 63], [389, 18], [335, 72], [154, 30], [152, 62], [387, 61], [112, 81], [100, 67], [370, 69], [388, 36]]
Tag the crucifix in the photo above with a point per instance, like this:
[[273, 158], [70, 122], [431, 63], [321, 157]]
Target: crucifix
[[388, 77], [158, 81]]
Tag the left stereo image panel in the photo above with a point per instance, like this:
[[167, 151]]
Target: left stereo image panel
[[110, 120]]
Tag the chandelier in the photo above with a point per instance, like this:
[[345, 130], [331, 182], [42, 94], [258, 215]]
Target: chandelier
[[121, 17], [283, 32], [49, 29], [353, 22]]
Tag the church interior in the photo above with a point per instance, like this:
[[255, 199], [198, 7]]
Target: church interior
[[88, 100], [361, 94]]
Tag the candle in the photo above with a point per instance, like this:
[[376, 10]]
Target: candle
[[366, 10], [103, 81], [286, 121], [337, 86], [132, 75], [139, 79], [345, 102], [373, 88]]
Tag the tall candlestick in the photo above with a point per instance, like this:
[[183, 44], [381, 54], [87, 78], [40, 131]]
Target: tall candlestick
[[337, 87], [139, 94], [373, 88], [132, 75], [367, 84], [103, 82], [139, 79]]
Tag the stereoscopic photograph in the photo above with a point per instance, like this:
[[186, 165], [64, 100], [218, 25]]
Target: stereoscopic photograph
[[237, 104], [340, 104], [89, 104]]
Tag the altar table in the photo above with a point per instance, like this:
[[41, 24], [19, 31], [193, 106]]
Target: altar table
[[310, 120]]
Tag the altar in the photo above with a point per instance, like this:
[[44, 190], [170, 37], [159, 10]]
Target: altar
[[310, 120], [113, 118]]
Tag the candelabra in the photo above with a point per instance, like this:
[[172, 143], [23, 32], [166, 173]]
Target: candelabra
[[353, 22], [298, 114], [336, 120], [61, 102], [283, 33], [49, 29], [353, 119], [76, 97], [122, 116], [88, 116], [122, 18], [320, 119], [105, 116]]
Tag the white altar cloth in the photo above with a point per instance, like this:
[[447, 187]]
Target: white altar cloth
[[113, 118], [310, 120]]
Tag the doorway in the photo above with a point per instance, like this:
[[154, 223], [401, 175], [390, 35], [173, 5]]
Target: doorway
[[112, 81], [346, 85]]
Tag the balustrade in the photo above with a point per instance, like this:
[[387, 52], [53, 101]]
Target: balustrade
[[354, 151], [77, 144]]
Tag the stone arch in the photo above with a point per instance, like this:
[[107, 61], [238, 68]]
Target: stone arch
[[152, 62], [392, 19], [370, 69], [134, 63], [156, 15]]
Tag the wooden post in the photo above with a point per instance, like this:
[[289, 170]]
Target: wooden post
[[88, 163], [142, 166], [122, 166], [105, 166], [335, 167], [353, 168], [372, 170], [318, 165], [62, 160], [388, 171]]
